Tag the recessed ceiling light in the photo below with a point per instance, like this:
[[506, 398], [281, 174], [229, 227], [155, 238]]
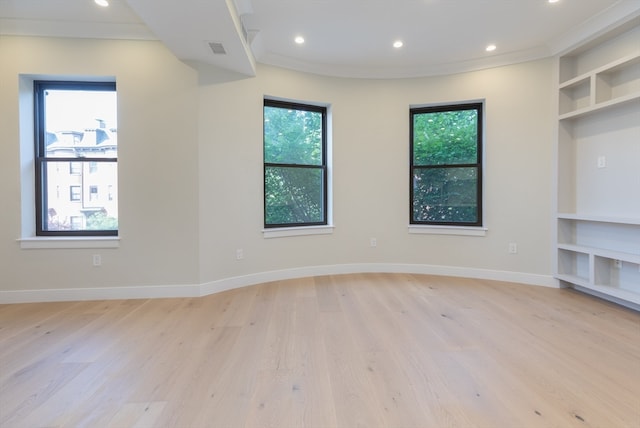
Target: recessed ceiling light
[[554, 1], [299, 40], [103, 3], [398, 44], [491, 48]]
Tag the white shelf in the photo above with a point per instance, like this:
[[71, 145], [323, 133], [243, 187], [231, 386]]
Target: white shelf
[[601, 252], [599, 106], [576, 81], [618, 293], [616, 102], [605, 290], [574, 279], [599, 218], [611, 85], [632, 58]]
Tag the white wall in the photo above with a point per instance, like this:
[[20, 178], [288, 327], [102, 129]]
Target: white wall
[[370, 172], [190, 173], [158, 177]]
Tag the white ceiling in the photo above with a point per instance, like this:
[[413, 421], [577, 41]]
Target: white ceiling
[[351, 38]]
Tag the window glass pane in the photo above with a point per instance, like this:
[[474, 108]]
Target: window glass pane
[[75, 192], [80, 123], [76, 120], [445, 195], [445, 138], [294, 195], [76, 223], [93, 193], [75, 168], [82, 207], [292, 136]]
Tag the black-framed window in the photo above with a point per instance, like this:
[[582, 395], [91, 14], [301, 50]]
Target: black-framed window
[[446, 165], [75, 129], [295, 164]]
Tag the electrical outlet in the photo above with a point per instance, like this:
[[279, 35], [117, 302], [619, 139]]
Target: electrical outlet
[[239, 254], [617, 264], [373, 242], [97, 260], [513, 248], [602, 162]]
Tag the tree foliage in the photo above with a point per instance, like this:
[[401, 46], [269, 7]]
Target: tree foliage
[[102, 221], [445, 171], [293, 195], [294, 171], [445, 138]]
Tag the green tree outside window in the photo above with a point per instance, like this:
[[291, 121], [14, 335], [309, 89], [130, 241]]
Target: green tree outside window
[[295, 174], [446, 174]]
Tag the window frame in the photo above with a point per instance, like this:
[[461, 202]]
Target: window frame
[[41, 160], [442, 108], [75, 168], [292, 105], [75, 193]]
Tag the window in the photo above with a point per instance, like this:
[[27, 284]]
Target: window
[[295, 164], [446, 165], [76, 222], [93, 193], [74, 193], [76, 129], [75, 168]]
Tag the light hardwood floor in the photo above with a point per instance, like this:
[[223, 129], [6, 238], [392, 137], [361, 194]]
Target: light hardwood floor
[[370, 350]]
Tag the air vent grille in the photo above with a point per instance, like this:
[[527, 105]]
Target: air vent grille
[[217, 48]]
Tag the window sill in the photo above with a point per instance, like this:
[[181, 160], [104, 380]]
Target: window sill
[[46, 242], [448, 230], [282, 232]]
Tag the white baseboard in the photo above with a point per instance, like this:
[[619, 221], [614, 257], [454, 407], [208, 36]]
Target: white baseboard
[[102, 293], [196, 290], [259, 278]]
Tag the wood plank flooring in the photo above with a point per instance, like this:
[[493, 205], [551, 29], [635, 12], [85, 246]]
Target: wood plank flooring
[[369, 350]]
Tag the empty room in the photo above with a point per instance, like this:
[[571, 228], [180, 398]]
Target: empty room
[[320, 213]]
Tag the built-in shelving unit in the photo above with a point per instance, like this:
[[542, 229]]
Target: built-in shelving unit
[[598, 169]]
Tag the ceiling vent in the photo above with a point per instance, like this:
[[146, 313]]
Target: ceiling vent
[[217, 48]]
